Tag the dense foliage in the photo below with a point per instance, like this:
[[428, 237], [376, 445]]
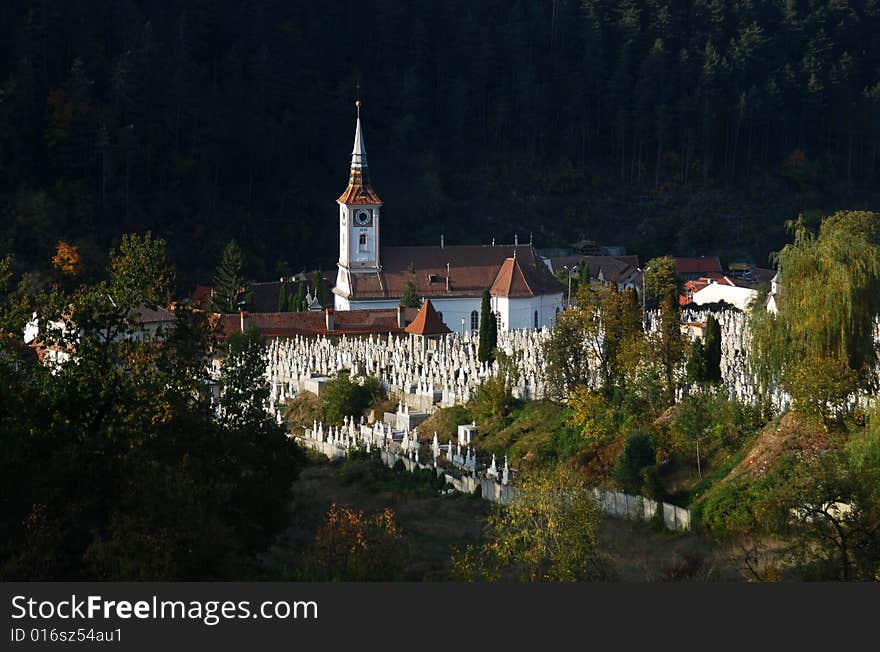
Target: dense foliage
[[820, 346], [693, 124], [115, 464]]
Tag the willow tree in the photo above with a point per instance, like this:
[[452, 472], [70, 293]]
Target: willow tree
[[829, 296]]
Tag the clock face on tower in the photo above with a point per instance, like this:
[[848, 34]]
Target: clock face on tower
[[364, 217]]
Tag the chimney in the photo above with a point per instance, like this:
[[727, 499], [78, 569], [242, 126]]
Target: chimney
[[244, 320], [400, 317], [328, 318]]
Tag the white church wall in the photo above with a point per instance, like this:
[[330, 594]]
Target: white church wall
[[520, 313], [454, 309]]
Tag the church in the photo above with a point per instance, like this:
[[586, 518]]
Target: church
[[524, 292]]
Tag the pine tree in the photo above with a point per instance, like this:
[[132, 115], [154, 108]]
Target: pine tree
[[282, 299], [320, 288], [713, 350], [410, 298], [299, 301], [671, 341], [229, 281], [488, 330]]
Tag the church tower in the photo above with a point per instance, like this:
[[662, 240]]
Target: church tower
[[359, 208]]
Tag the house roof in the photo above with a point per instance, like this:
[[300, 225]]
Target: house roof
[[513, 281], [427, 322], [701, 265], [611, 268], [291, 324], [472, 269], [201, 295], [143, 314]]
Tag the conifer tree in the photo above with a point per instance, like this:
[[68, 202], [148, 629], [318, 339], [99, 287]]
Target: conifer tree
[[320, 288], [488, 330], [229, 280], [410, 298], [712, 351], [299, 301]]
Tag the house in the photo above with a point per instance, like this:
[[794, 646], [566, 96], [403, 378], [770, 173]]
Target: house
[[623, 270], [690, 269], [716, 292]]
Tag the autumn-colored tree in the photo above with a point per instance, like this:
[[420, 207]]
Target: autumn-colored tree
[[67, 259], [352, 547]]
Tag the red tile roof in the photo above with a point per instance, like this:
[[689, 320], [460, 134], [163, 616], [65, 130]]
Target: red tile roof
[[703, 265], [291, 324], [472, 269], [427, 322], [511, 281]]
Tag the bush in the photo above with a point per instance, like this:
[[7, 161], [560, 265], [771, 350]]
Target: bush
[[635, 466], [344, 397]]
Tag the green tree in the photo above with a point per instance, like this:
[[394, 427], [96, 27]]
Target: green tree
[[670, 343], [488, 330], [141, 481], [548, 533], [410, 298], [229, 280], [342, 397], [713, 350], [812, 325], [660, 277], [299, 301], [635, 471], [568, 360], [695, 370]]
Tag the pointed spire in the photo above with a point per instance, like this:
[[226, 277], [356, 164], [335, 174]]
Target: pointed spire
[[359, 190], [359, 152]]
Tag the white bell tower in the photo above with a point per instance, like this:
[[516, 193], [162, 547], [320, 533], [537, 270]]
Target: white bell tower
[[359, 212], [359, 217]]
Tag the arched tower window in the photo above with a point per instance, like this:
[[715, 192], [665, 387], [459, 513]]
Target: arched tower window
[[475, 320], [362, 242]]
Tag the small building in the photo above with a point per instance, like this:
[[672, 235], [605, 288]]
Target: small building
[[715, 292], [690, 269], [467, 434], [427, 330]]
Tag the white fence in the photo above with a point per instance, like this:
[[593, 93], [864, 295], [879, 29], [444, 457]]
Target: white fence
[[614, 503]]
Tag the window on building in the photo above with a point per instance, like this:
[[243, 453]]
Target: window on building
[[475, 320], [536, 319], [498, 320], [362, 242]]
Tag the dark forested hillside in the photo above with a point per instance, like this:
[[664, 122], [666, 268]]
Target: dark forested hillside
[[691, 126]]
